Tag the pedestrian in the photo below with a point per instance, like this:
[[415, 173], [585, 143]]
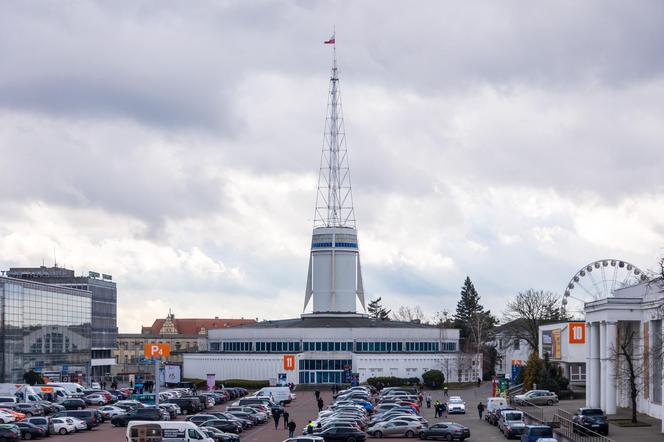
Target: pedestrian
[[317, 394], [420, 398], [286, 416], [291, 429], [479, 382], [428, 400], [445, 391], [436, 409], [320, 404], [480, 409], [277, 416], [131, 384], [443, 409], [310, 427]]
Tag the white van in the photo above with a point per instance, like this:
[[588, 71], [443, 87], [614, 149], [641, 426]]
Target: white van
[[494, 402], [280, 395], [139, 431], [51, 393], [71, 388]]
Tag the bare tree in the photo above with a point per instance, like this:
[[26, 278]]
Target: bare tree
[[408, 314], [481, 326], [530, 309]]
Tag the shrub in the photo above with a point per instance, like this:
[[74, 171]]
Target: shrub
[[433, 378]]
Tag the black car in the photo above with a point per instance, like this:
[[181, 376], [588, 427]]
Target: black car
[[592, 419], [342, 434], [445, 430], [74, 404], [10, 433], [245, 416], [227, 426], [199, 418], [30, 431], [42, 422], [188, 405], [219, 436], [50, 407], [91, 417], [138, 414]]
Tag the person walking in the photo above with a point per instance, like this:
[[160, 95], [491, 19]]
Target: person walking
[[479, 382], [277, 416], [291, 429], [317, 394], [310, 427], [480, 409], [420, 398], [286, 416], [436, 408], [443, 409], [445, 391], [320, 404], [428, 400]]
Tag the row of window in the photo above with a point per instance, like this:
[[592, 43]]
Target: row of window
[[325, 364], [319, 245], [359, 347], [322, 377]]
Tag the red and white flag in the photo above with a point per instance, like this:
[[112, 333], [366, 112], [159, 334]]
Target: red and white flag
[[331, 41]]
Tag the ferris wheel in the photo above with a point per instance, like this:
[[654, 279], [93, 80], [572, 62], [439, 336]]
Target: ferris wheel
[[598, 280]]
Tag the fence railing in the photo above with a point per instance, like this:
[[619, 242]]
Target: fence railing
[[531, 410], [566, 427]]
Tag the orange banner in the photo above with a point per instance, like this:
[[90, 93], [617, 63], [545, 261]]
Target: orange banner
[[577, 332], [157, 350], [289, 362]]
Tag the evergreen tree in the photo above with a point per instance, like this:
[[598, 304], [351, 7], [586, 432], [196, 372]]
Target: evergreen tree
[[377, 311], [475, 323], [468, 305]]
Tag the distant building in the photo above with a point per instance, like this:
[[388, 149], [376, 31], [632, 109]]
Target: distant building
[[46, 328], [513, 353], [104, 327], [183, 335], [565, 343]]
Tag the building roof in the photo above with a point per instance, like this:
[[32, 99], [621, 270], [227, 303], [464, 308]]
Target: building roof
[[193, 326], [329, 321]]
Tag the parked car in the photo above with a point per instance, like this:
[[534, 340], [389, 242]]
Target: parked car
[[342, 434], [308, 438], [397, 427], [536, 397], [91, 417], [137, 414], [445, 430], [10, 433], [6, 417], [227, 426], [188, 405], [30, 431], [73, 404], [79, 424], [44, 423], [108, 411], [95, 399], [592, 419], [61, 426], [456, 405], [219, 436], [534, 432]]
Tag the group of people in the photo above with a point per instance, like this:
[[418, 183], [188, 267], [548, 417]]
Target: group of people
[[288, 424]]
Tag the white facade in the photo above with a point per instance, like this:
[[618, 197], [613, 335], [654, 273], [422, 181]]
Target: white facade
[[565, 343], [635, 311], [512, 353], [365, 347]]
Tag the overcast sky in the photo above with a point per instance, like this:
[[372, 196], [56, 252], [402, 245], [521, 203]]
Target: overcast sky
[[175, 145]]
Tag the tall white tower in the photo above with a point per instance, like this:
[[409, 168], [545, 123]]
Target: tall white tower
[[335, 276]]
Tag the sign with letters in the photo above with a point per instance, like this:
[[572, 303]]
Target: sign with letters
[[157, 350], [577, 332]]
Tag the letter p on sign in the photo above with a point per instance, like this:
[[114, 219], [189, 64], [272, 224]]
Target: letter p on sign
[[157, 350]]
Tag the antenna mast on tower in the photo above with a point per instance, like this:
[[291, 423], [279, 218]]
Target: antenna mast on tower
[[334, 199]]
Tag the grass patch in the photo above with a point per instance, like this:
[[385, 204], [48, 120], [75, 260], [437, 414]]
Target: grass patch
[[627, 423]]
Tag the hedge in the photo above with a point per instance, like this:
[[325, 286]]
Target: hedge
[[242, 383], [392, 381]]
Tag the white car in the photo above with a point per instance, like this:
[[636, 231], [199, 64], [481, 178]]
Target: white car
[[456, 405], [79, 424], [95, 386], [6, 417], [108, 411], [63, 425]]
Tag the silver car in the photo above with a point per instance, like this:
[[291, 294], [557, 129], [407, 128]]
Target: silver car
[[398, 428], [537, 397]]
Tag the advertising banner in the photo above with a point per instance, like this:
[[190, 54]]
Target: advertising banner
[[577, 332], [517, 365], [355, 379], [289, 362], [173, 374], [210, 381], [547, 342], [281, 381], [556, 344]]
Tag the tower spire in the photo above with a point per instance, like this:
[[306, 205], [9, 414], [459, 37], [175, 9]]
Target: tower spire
[[334, 199]]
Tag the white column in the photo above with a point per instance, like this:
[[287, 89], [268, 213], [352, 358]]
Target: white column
[[602, 365], [594, 372], [589, 383], [610, 386]]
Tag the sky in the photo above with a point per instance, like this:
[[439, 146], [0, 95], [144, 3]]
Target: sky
[[175, 145]]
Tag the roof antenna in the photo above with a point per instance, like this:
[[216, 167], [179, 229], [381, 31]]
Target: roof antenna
[[55, 259]]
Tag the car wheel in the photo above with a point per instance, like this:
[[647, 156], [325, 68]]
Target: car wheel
[[350, 439], [549, 402], [409, 434], [27, 436], [448, 437], [63, 431], [378, 434]]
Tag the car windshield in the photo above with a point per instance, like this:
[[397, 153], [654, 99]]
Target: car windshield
[[456, 401], [513, 416], [593, 412]]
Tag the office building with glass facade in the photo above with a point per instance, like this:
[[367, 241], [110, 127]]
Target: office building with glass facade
[[44, 328], [103, 292]]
